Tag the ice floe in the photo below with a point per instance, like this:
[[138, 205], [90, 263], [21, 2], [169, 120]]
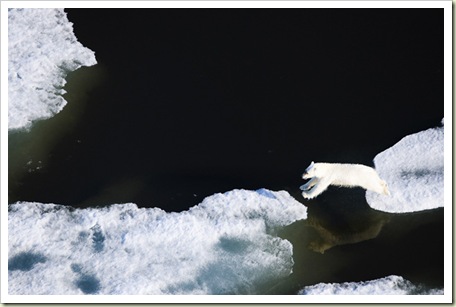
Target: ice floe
[[225, 245], [414, 171], [42, 50], [390, 285]]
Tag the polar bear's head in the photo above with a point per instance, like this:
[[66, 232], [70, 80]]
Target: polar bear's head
[[310, 171]]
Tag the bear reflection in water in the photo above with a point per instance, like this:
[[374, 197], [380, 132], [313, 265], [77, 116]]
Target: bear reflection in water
[[330, 236], [342, 216]]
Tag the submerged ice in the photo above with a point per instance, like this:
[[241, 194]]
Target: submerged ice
[[42, 50], [414, 171], [225, 245]]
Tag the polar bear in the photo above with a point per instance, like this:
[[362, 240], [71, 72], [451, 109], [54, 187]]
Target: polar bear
[[322, 175]]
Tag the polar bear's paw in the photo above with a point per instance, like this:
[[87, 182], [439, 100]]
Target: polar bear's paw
[[304, 187], [308, 185], [307, 195]]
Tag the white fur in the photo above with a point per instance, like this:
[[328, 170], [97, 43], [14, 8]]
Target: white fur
[[322, 175]]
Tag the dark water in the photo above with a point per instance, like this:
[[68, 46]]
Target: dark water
[[187, 103], [194, 102], [343, 239]]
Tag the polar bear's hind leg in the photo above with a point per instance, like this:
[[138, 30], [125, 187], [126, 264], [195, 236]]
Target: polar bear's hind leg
[[385, 188]]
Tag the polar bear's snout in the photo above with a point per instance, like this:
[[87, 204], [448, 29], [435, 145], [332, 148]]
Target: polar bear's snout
[[308, 175]]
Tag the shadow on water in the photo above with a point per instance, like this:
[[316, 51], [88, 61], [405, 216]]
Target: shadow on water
[[343, 239]]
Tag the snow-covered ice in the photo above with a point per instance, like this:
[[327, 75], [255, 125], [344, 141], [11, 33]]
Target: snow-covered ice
[[42, 50], [225, 245], [390, 285], [414, 171]]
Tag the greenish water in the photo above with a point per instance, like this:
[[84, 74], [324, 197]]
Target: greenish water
[[344, 239], [31, 151]]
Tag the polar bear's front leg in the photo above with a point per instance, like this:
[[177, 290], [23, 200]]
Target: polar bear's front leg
[[309, 184], [318, 188]]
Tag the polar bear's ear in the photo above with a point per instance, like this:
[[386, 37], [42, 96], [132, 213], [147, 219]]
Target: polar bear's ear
[[311, 166]]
